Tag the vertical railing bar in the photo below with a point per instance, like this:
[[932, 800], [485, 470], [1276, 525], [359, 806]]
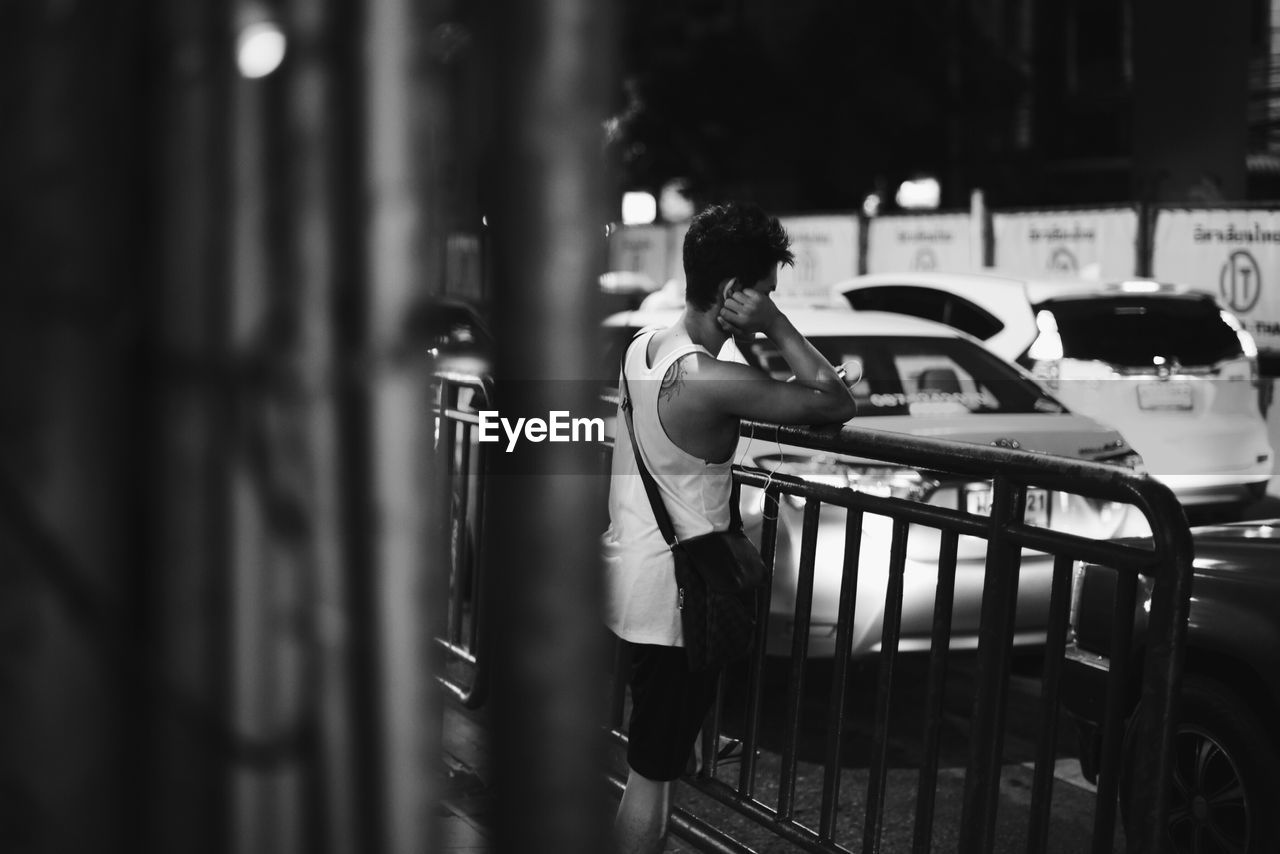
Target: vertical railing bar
[[1166, 634], [799, 652], [939, 647], [479, 539], [448, 446], [455, 428], [840, 672], [873, 825], [1046, 748], [1113, 713], [710, 734], [995, 641], [755, 677]]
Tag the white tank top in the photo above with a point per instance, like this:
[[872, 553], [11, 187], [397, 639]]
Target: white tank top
[[640, 587]]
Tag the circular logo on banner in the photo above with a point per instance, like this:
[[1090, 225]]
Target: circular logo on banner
[[925, 259], [1240, 281], [1062, 260]]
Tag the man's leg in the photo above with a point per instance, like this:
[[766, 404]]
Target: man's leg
[[641, 824]]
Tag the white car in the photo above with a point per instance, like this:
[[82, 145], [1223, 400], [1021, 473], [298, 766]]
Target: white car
[[924, 379], [1168, 367]]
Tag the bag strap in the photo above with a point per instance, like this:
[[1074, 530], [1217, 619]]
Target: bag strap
[[660, 514]]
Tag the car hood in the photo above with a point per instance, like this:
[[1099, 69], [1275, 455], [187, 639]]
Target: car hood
[[1065, 434]]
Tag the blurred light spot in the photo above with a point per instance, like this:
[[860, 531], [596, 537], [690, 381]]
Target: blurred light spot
[[1140, 287], [1048, 344], [871, 204], [259, 49], [638, 208], [919, 193], [673, 201]]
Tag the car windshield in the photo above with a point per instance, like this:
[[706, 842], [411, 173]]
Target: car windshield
[[1141, 331], [922, 376]]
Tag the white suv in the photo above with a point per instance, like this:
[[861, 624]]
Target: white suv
[[1168, 367]]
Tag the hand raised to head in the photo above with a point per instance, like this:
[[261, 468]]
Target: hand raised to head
[[747, 311]]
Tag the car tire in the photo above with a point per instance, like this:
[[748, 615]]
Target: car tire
[[1226, 775]]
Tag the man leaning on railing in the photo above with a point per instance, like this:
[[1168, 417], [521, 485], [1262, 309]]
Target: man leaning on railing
[[686, 408]]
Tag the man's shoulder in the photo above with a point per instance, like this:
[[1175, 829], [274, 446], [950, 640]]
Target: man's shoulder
[[714, 367]]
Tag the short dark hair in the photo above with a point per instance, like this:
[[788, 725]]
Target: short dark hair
[[731, 240]]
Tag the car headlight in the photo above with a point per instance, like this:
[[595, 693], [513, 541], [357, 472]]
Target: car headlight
[[869, 478], [1129, 459]]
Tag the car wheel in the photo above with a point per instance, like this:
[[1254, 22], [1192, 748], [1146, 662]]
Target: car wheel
[[1225, 785]]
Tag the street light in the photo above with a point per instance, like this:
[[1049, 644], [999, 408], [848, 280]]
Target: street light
[[260, 43], [638, 208]]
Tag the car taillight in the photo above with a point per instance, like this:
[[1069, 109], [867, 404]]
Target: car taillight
[[1247, 345]]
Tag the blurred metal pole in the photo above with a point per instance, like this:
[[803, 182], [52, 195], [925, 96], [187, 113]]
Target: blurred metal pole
[[189, 457], [294, 671], [554, 76], [401, 584]]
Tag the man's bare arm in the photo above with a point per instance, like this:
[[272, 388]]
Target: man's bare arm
[[746, 392]]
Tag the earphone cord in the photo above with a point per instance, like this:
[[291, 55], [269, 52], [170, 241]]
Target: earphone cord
[[764, 510]]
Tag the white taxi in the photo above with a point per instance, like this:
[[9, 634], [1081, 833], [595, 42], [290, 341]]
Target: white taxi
[[924, 379]]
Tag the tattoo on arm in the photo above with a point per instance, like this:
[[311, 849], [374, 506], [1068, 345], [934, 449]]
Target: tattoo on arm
[[673, 381]]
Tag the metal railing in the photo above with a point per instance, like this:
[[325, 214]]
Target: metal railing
[[464, 644], [1012, 473], [1007, 536]]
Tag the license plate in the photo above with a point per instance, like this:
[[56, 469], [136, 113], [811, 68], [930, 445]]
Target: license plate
[[979, 501], [1164, 396]]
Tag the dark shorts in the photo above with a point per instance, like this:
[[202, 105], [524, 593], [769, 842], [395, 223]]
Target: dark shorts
[[668, 706]]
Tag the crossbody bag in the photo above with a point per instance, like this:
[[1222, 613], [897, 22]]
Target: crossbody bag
[[718, 575]]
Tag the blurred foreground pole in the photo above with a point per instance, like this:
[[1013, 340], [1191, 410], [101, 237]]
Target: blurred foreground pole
[[185, 434], [554, 73], [73, 736], [399, 570]]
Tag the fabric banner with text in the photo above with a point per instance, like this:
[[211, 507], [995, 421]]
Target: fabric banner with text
[[1086, 244], [826, 250], [1232, 254], [941, 242]]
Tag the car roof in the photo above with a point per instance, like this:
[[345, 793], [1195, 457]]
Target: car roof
[[814, 322], [1012, 299]]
